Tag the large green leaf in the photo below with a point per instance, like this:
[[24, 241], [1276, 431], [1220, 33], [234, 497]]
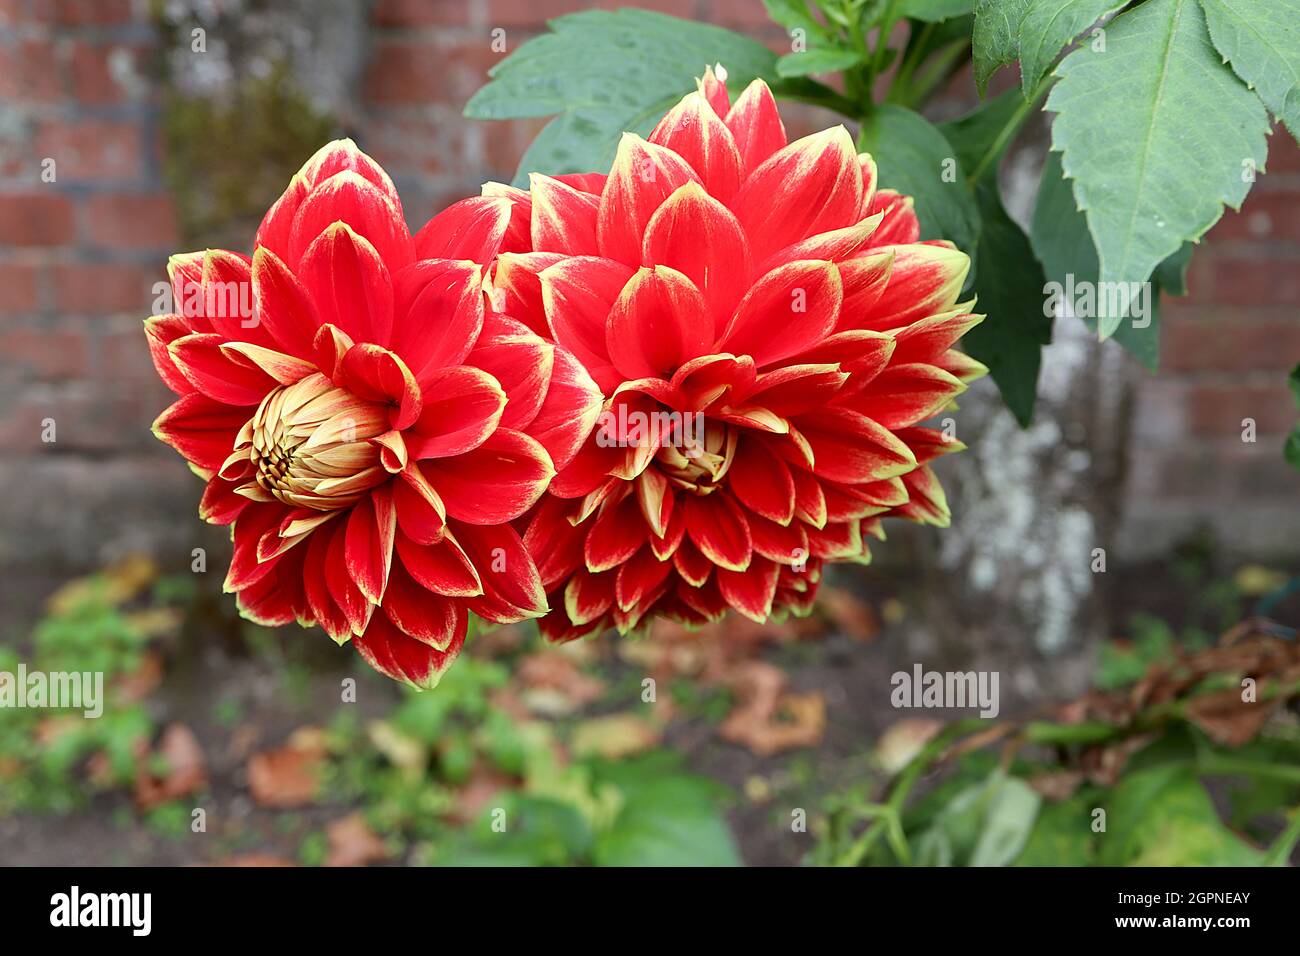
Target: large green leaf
[[667, 821], [1049, 25], [1164, 817], [817, 60], [1010, 288], [913, 157], [1292, 449], [933, 11], [995, 41], [1261, 39], [606, 72], [1157, 134], [795, 15], [1010, 283]]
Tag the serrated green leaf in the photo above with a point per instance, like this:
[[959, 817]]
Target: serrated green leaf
[[606, 72], [817, 60], [1060, 237], [1048, 26], [1261, 39], [1157, 134], [933, 11], [995, 40], [795, 15], [667, 821], [1010, 289], [913, 157]]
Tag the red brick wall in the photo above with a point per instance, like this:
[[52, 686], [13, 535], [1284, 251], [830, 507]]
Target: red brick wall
[[78, 258]]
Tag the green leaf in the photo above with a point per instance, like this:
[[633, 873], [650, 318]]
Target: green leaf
[[1010, 289], [1164, 817], [795, 15], [1048, 26], [915, 158], [817, 60], [1261, 39], [933, 11], [1013, 807], [1062, 834], [667, 821], [977, 133], [1292, 448], [606, 72], [995, 41], [1157, 134]]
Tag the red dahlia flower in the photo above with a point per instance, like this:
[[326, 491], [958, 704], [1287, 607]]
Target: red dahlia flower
[[770, 294], [365, 425]]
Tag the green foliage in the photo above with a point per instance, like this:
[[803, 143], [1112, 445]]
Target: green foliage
[[995, 42], [1154, 157], [1047, 27], [1261, 41], [1292, 449], [604, 73]]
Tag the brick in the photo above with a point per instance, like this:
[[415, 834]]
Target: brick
[[1249, 281], [100, 72], [29, 72], [1231, 342], [417, 13], [504, 143], [405, 72], [35, 219], [18, 288], [132, 221], [45, 354], [535, 13], [1267, 215], [86, 13], [104, 288], [1218, 409], [740, 14], [1283, 153], [90, 149]]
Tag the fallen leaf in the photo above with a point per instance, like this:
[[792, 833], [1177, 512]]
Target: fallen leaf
[[288, 776], [185, 773], [849, 613], [903, 740], [353, 843], [554, 685], [767, 719], [614, 736], [1227, 719], [255, 859]]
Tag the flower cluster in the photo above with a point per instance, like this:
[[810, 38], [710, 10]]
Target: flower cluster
[[673, 390]]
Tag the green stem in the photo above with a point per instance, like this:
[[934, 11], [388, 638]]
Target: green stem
[[1279, 854], [1009, 129]]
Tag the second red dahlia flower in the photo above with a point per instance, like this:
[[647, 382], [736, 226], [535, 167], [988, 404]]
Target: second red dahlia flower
[[768, 333], [365, 425]]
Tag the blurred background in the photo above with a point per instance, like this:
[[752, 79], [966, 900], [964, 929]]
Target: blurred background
[[125, 136]]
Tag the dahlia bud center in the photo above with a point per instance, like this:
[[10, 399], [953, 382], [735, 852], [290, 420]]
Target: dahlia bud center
[[310, 444], [699, 465]]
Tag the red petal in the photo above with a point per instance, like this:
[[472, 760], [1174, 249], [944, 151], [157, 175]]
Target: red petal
[[849, 447], [512, 587], [761, 481], [419, 613], [216, 374], [643, 176], [925, 280], [578, 294], [377, 375], [470, 229], [464, 406], [444, 568], [617, 533], [202, 430], [755, 123], [439, 309], [372, 526], [348, 198], [903, 395], [717, 526], [751, 592], [588, 597], [695, 132], [283, 305], [420, 512], [160, 331], [790, 309], [812, 186], [563, 218], [385, 648], [699, 237], [494, 483], [639, 577], [349, 284], [568, 412], [521, 362], [657, 323]]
